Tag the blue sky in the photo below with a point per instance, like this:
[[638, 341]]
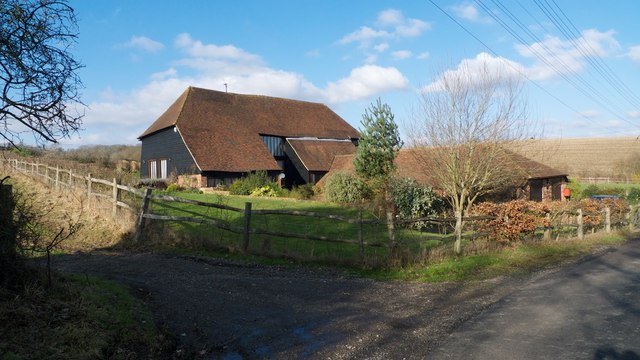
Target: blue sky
[[139, 56]]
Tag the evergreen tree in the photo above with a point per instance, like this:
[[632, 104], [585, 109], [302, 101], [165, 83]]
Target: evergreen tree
[[375, 157], [379, 144]]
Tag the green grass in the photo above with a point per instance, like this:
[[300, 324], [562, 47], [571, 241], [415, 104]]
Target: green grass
[[203, 235], [78, 318], [522, 258]]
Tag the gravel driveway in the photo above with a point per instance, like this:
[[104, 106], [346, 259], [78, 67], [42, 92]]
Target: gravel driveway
[[231, 310]]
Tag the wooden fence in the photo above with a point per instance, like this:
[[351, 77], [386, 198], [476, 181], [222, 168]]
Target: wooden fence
[[66, 179], [112, 192]]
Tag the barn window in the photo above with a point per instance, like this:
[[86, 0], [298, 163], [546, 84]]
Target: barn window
[[153, 169], [274, 144], [158, 168], [163, 169]]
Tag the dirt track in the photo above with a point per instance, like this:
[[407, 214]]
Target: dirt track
[[232, 310]]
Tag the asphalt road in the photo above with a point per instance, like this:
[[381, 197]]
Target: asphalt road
[[589, 310]]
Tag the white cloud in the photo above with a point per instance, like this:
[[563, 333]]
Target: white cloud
[[392, 25], [364, 82], [390, 17], [197, 49], [634, 114], [469, 11], [412, 27], [478, 71], [119, 117], [144, 43], [423, 56], [363, 36], [381, 47], [555, 57], [589, 114], [401, 54], [370, 59], [634, 53], [169, 73]]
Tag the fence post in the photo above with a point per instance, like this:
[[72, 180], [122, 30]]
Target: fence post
[[580, 224], [360, 238], [547, 228], [607, 220], [247, 227], [141, 220], [631, 218], [89, 191], [57, 177], [115, 193]]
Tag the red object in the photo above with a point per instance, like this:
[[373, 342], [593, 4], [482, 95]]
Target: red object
[[566, 192]]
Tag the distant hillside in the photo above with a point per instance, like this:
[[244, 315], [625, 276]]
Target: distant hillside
[[614, 157]]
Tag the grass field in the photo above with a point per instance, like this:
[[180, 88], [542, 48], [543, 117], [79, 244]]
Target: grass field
[[374, 235], [583, 157]]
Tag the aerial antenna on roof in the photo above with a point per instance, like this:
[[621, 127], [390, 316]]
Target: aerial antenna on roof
[[225, 87]]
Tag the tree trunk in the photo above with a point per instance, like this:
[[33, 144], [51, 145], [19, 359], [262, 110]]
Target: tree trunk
[[390, 226], [457, 247], [8, 254]]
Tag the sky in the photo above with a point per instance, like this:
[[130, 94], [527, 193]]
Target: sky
[[579, 60]]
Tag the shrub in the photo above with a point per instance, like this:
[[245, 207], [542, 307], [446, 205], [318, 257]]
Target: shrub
[[590, 190], [413, 200], [173, 187], [264, 191], [248, 184], [303, 192], [633, 197], [159, 184], [346, 188], [511, 220]]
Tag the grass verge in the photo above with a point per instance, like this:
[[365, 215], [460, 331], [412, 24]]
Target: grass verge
[[78, 318], [518, 259]]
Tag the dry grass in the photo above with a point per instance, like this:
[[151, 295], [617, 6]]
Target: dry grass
[[98, 230], [583, 157]]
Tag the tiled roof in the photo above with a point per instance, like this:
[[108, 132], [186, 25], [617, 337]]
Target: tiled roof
[[222, 130], [415, 163], [317, 155]]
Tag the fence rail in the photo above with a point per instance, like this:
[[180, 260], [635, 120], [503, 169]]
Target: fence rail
[[66, 179], [112, 192]]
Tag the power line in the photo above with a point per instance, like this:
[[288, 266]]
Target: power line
[[508, 63], [586, 88], [558, 64]]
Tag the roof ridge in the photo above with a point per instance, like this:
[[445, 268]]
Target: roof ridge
[[188, 91]]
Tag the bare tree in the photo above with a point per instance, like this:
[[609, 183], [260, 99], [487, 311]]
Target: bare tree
[[38, 75], [465, 122]]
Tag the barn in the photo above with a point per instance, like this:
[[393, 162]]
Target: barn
[[212, 138], [535, 181]]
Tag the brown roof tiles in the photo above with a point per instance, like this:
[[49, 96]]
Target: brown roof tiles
[[222, 130]]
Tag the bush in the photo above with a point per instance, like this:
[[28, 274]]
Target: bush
[[511, 220], [159, 184], [633, 197], [346, 188], [413, 200], [302, 192], [248, 184], [264, 191], [589, 191], [173, 187]]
